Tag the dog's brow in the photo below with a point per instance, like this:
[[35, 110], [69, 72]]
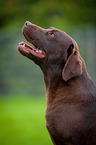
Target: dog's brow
[[52, 30]]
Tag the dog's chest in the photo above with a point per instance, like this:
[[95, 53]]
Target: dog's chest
[[62, 121]]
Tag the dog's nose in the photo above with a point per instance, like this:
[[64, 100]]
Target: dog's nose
[[27, 23]]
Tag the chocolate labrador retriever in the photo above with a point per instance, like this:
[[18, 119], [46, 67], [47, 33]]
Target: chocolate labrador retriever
[[70, 91]]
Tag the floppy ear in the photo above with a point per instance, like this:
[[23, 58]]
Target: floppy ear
[[73, 66]]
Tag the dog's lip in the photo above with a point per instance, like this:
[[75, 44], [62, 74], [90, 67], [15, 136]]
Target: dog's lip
[[26, 49]]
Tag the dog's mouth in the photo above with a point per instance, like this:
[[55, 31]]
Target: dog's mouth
[[25, 49]]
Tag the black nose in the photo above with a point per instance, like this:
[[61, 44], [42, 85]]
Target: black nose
[[27, 23]]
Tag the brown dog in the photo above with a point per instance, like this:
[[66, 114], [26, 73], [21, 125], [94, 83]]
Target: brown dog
[[70, 92]]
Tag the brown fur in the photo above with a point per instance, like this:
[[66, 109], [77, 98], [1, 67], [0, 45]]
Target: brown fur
[[70, 92]]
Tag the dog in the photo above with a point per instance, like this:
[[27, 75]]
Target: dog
[[70, 91]]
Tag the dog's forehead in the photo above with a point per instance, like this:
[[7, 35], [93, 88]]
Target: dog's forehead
[[60, 33]]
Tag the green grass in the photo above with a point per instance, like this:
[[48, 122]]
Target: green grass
[[22, 122]]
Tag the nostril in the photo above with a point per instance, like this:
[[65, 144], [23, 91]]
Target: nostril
[[27, 23]]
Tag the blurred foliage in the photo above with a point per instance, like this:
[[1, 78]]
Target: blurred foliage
[[19, 75], [47, 12]]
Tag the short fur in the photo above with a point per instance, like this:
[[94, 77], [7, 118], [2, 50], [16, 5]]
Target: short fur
[[70, 91]]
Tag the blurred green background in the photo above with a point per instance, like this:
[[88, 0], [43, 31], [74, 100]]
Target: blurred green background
[[22, 96]]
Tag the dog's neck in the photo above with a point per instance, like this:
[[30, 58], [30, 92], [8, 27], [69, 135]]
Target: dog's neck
[[52, 77], [54, 83]]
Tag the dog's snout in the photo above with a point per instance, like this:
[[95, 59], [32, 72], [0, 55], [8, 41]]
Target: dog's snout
[[27, 23]]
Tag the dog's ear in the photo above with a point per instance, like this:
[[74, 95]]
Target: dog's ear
[[73, 66]]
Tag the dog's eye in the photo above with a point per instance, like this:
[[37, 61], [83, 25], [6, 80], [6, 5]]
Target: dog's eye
[[51, 34]]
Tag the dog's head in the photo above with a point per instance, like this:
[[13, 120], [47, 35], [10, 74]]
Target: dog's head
[[51, 48]]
